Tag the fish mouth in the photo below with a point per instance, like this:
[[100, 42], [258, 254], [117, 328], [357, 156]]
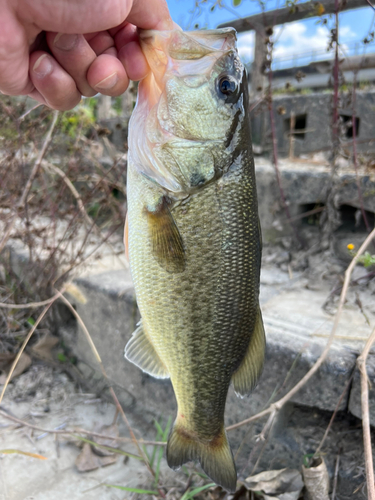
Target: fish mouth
[[191, 45], [182, 54]]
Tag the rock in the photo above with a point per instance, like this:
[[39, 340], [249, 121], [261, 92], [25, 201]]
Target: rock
[[355, 393]]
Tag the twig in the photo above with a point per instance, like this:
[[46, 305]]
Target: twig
[[29, 305], [50, 166], [80, 204], [30, 180], [334, 415], [87, 257], [335, 115], [355, 158], [370, 4], [336, 476], [291, 135], [320, 360], [361, 363], [19, 354], [22, 117], [275, 158], [264, 435], [76, 431]]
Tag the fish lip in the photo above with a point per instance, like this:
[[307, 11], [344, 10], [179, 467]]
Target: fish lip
[[186, 45], [215, 32]]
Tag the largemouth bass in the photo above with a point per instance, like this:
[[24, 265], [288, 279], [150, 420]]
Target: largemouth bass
[[193, 237]]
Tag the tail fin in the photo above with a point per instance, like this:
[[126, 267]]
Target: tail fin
[[215, 456]]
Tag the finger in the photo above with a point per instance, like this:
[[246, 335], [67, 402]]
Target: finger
[[107, 75], [134, 61], [130, 53], [14, 60], [53, 83], [72, 16], [150, 14], [100, 42], [75, 56]]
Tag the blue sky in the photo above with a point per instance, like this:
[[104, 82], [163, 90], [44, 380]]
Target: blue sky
[[294, 40]]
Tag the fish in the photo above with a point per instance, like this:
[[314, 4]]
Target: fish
[[193, 237]]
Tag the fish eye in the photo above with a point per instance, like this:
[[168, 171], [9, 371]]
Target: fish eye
[[227, 86]]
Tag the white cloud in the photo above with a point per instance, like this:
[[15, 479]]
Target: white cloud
[[292, 41], [246, 45], [347, 32]]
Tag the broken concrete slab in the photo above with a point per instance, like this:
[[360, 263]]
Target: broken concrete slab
[[296, 327], [305, 184]]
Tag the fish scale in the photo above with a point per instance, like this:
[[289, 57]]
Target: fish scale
[[195, 252]]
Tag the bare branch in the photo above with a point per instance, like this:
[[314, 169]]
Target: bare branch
[[30, 180], [25, 342], [29, 305], [80, 204], [76, 431], [22, 117], [361, 363]]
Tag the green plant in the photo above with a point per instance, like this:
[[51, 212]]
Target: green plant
[[80, 118], [132, 490], [307, 460], [366, 259], [191, 494], [164, 436]]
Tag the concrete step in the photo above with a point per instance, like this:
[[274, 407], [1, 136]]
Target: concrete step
[[296, 326]]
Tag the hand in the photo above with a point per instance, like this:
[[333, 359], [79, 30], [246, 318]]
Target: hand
[[57, 51]]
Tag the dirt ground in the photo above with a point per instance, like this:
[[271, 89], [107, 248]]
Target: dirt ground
[[46, 398]]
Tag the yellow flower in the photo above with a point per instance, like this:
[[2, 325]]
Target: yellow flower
[[350, 246]]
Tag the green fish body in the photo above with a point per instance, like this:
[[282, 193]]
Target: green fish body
[[193, 238]]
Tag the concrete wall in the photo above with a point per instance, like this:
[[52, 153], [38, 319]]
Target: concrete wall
[[316, 109]]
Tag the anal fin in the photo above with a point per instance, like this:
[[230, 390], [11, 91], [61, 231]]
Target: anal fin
[[166, 241], [245, 378], [140, 351]]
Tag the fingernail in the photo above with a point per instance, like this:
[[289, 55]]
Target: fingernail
[[64, 41], [43, 66], [108, 82]]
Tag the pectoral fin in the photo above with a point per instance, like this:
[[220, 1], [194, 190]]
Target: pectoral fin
[[140, 351], [244, 379], [167, 245]]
